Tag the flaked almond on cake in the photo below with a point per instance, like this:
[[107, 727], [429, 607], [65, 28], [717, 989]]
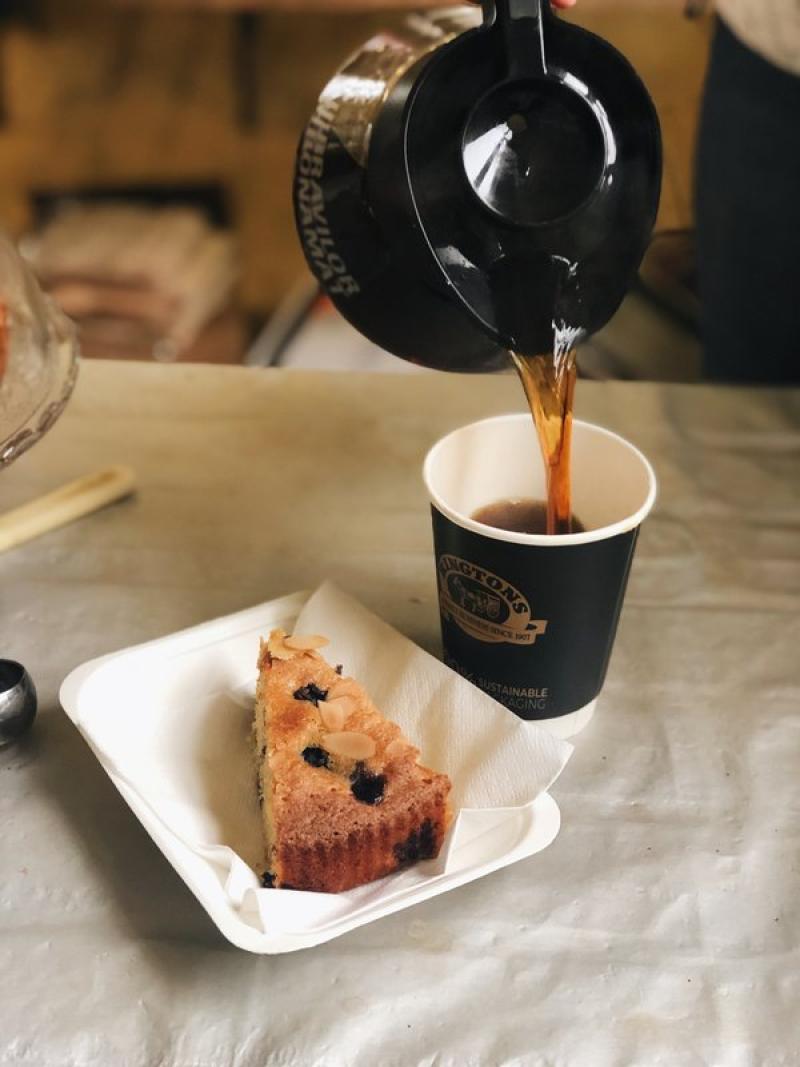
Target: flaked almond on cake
[[343, 796]]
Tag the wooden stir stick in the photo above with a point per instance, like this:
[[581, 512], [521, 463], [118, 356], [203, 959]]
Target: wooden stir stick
[[71, 501]]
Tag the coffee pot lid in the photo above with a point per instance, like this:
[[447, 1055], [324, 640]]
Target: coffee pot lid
[[533, 162]]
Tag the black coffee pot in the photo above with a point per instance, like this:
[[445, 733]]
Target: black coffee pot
[[463, 190]]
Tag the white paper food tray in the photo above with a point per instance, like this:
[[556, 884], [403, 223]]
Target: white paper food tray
[[180, 705]]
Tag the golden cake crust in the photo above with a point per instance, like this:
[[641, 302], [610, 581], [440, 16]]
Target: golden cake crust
[[368, 809]]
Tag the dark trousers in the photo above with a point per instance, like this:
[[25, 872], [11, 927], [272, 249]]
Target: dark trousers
[[748, 216]]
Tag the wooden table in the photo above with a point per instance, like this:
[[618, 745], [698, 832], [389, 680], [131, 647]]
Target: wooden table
[[662, 924]]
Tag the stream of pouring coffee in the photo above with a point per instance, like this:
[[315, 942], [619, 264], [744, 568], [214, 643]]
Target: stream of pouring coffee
[[549, 384]]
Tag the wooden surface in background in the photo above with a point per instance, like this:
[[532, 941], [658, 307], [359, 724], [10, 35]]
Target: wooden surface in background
[[107, 96]]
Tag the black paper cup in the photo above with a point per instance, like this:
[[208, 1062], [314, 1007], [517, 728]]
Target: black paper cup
[[531, 618]]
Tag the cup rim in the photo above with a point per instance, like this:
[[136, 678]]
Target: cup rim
[[600, 533]]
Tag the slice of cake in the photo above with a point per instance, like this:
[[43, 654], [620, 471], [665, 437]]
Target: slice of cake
[[343, 797]]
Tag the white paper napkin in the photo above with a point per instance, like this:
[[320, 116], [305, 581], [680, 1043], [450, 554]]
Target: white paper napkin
[[494, 759], [177, 741]]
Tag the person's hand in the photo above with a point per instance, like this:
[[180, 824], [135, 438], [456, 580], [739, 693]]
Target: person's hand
[[559, 5], [360, 5]]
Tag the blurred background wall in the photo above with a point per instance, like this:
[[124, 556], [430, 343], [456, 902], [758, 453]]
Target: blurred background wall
[[177, 94]]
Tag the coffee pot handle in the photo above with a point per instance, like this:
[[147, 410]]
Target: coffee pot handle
[[521, 23]]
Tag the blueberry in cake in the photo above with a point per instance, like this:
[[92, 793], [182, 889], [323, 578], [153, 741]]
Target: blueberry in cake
[[343, 797]]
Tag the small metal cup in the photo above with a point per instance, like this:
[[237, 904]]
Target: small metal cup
[[17, 701]]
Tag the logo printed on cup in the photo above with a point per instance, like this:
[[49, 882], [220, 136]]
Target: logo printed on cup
[[484, 605]]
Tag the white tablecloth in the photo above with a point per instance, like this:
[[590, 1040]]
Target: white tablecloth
[[662, 925]]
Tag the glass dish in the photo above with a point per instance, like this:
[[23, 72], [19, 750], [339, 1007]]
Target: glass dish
[[38, 357]]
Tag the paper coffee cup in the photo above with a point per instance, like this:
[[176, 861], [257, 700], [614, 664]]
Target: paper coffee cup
[[531, 618]]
